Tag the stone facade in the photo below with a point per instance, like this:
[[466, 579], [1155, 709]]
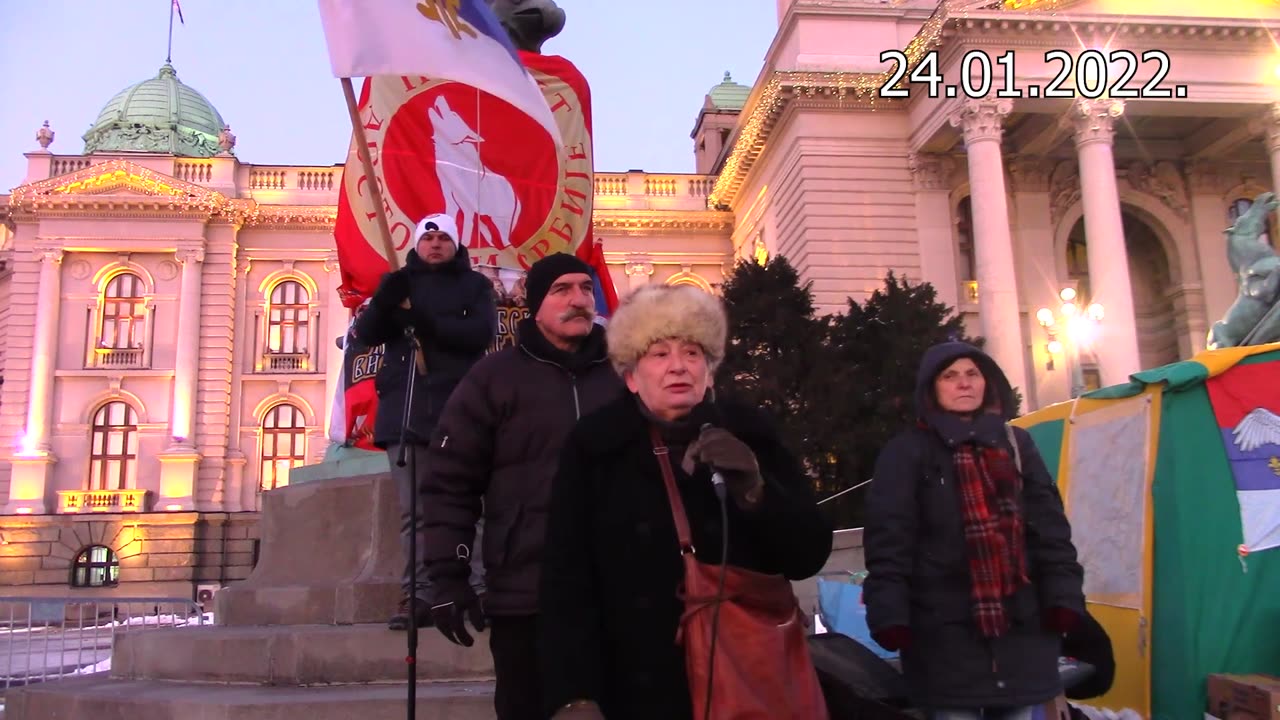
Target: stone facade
[[161, 555], [167, 322]]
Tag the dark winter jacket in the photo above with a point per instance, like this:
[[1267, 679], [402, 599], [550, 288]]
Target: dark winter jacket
[[612, 565], [916, 556], [498, 440], [452, 310]]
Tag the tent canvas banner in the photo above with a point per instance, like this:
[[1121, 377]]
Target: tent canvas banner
[[1107, 499]]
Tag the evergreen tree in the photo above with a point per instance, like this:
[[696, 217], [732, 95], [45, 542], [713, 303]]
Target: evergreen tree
[[775, 346], [879, 345]]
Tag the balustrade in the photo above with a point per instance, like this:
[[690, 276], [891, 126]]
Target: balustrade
[[110, 501]]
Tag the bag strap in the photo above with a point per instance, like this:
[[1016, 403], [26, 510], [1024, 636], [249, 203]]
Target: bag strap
[[1017, 451], [673, 494]]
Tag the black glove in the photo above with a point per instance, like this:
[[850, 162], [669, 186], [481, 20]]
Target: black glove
[[393, 289], [456, 602], [719, 448]]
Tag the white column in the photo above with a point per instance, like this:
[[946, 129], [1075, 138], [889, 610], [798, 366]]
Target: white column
[[180, 462], [338, 320], [1116, 344], [187, 360], [44, 353], [938, 256], [1273, 144], [1038, 284], [1209, 218], [1000, 313], [238, 498], [29, 478]]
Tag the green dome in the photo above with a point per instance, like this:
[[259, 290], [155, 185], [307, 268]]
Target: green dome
[[158, 115], [729, 95]]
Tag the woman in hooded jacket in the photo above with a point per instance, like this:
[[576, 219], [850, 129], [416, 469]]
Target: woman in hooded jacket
[[972, 575]]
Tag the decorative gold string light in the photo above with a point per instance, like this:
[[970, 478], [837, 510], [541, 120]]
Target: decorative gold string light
[[862, 87]]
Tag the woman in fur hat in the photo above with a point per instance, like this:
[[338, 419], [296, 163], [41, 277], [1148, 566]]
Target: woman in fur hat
[[609, 606]]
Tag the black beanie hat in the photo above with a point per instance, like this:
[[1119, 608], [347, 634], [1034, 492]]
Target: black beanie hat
[[541, 275]]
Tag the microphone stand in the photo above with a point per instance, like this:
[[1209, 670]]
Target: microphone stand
[[411, 659]]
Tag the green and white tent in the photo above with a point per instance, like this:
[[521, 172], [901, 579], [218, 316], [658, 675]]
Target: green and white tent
[[1172, 485]]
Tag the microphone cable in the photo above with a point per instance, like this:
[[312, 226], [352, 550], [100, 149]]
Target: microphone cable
[[717, 482]]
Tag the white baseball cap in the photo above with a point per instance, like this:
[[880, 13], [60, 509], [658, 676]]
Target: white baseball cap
[[438, 223]]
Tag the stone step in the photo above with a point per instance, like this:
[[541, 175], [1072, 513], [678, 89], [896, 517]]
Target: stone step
[[97, 696], [293, 655]]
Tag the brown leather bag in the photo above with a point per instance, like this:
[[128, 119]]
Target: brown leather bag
[[762, 668]]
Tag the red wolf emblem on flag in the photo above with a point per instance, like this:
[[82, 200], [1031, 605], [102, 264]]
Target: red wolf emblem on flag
[[443, 147]]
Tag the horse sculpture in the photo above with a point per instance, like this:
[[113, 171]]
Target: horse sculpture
[[1254, 317], [529, 23]]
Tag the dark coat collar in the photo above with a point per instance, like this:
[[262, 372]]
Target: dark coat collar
[[592, 352], [621, 423]]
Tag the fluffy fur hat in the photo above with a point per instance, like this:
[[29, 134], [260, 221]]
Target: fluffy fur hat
[[440, 223], [659, 312]]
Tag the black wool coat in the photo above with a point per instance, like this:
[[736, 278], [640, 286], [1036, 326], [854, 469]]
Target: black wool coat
[[918, 569], [612, 565], [455, 317]]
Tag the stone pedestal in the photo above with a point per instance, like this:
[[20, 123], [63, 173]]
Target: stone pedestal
[[303, 636], [330, 554]]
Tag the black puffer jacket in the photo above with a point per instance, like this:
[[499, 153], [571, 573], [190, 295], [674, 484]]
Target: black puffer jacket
[[918, 567], [453, 312], [498, 440]]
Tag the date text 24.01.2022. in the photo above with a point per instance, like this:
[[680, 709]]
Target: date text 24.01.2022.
[[1086, 74]]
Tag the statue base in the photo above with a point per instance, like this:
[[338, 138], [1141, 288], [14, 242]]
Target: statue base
[[304, 635]]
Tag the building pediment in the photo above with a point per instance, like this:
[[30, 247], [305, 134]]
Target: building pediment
[[120, 185]]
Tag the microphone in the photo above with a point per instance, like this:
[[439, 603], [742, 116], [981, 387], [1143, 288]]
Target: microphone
[[717, 480]]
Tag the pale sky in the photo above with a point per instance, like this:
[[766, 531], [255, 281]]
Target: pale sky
[[264, 65]]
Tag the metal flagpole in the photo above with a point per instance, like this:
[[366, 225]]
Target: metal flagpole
[[168, 56]]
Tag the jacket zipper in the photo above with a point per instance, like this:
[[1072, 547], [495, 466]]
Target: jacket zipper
[[573, 379], [577, 408]]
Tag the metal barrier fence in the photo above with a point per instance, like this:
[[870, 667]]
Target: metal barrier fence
[[52, 637]]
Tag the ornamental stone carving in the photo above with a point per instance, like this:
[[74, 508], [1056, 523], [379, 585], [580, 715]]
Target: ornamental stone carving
[[44, 136], [167, 270], [226, 141], [49, 255], [187, 255], [80, 269], [639, 267], [982, 119], [931, 172], [1162, 181], [1064, 189], [1030, 173], [1204, 177], [1094, 120]]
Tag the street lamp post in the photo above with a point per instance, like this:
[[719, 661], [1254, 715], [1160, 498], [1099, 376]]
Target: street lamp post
[[1081, 328]]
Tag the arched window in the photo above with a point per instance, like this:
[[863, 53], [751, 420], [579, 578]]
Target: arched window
[[288, 318], [95, 566], [113, 450], [284, 444], [122, 321], [1239, 206]]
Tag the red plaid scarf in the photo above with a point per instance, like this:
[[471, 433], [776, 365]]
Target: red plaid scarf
[[990, 487]]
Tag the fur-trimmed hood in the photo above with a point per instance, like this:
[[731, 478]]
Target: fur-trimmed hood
[[658, 312]]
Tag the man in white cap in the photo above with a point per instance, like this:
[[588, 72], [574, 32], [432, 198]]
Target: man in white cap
[[450, 311]]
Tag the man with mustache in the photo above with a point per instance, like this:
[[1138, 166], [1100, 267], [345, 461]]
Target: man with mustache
[[497, 446]]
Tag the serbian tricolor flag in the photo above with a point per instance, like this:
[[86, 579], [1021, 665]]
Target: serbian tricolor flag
[[1246, 404], [605, 295]]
